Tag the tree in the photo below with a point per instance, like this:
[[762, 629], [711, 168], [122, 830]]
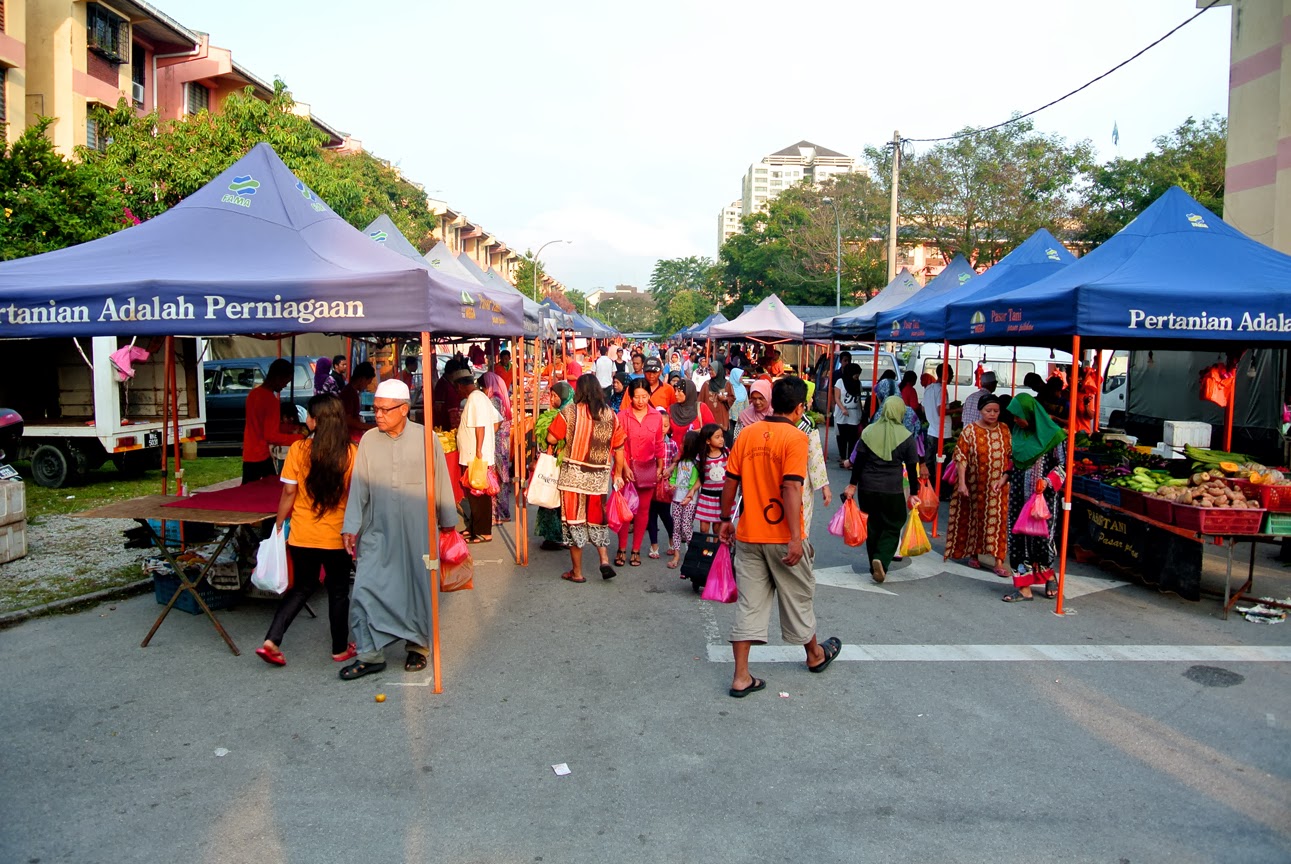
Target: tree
[[1192, 157], [578, 300], [695, 273], [48, 202], [685, 308], [630, 313], [524, 276], [985, 192]]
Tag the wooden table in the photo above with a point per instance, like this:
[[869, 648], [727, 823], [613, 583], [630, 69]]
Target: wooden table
[[155, 507]]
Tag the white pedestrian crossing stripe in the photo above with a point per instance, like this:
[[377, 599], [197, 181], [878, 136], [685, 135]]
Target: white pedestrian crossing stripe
[[1021, 653], [930, 565]]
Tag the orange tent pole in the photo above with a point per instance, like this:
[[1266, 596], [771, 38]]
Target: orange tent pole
[[1228, 423], [432, 515], [874, 377], [941, 429], [1098, 394], [165, 417], [517, 451], [1073, 393], [829, 401]]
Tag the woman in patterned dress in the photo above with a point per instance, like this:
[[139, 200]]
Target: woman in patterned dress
[[547, 523], [979, 512], [1039, 465], [593, 456]]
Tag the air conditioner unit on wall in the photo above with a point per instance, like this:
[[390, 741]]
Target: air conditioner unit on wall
[[136, 91]]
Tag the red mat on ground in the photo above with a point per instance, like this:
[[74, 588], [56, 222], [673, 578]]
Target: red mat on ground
[[258, 497]]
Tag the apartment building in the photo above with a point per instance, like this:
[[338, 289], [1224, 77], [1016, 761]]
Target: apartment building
[[788, 167], [728, 222]]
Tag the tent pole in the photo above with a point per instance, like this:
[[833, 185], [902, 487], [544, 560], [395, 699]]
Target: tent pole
[[1013, 374], [432, 515], [165, 417], [174, 419], [941, 429], [1072, 394], [829, 402], [1098, 394], [874, 380], [1228, 423], [517, 453]]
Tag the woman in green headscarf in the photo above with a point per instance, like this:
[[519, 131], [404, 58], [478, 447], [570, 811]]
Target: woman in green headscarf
[[1039, 465], [885, 448], [547, 525]]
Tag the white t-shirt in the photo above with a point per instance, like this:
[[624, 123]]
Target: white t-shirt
[[931, 402], [604, 370], [700, 377], [847, 408], [477, 411]]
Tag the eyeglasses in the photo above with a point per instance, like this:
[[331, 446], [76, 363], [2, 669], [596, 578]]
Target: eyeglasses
[[376, 409]]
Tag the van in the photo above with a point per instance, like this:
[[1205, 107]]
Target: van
[[863, 356], [999, 359], [1116, 380]]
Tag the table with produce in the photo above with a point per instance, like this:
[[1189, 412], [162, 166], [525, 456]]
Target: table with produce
[[1148, 515]]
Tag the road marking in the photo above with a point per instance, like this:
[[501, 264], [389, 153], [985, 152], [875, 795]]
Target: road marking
[[846, 577], [1022, 653], [928, 566]]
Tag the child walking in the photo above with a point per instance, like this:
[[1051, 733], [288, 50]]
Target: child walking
[[685, 484], [712, 476], [661, 501]]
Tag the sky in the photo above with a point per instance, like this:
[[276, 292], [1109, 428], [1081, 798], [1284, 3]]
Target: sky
[[627, 127]]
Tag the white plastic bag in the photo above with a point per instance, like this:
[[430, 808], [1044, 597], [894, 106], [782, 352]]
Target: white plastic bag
[[542, 487], [271, 563]]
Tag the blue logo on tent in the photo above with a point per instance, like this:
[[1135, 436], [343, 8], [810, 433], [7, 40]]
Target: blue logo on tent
[[1052, 254], [435, 262], [309, 196], [241, 190], [964, 277], [1197, 221], [379, 236]]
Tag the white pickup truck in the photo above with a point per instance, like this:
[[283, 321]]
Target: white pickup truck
[[78, 413]]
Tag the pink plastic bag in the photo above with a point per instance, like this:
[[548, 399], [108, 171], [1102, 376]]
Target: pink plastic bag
[[1028, 523], [836, 524], [620, 513], [951, 474], [720, 587], [630, 495], [452, 548]]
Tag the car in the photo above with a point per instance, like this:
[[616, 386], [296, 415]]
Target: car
[[227, 383]]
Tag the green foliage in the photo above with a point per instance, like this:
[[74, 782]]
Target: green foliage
[[48, 202], [684, 308], [1192, 157], [673, 275], [524, 276], [631, 313]]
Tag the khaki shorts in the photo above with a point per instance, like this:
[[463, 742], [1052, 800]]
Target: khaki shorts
[[759, 574]]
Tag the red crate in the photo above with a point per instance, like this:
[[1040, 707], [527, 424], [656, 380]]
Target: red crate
[[1158, 509], [1218, 520], [1133, 501], [1275, 499]]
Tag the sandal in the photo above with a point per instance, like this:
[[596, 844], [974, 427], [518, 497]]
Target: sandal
[[635, 560], [473, 539], [571, 576], [273, 658], [621, 558], [1015, 597], [754, 686], [654, 552], [359, 669], [831, 647], [973, 562], [607, 572], [348, 654], [415, 662], [1002, 571], [1051, 589]]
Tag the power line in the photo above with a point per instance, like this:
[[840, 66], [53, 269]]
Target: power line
[[1126, 62]]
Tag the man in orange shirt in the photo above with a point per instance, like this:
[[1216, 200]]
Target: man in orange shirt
[[502, 368], [769, 462], [661, 393], [264, 423]]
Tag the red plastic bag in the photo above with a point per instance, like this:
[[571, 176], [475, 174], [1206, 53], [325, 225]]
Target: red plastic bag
[[928, 502], [620, 513], [457, 577], [836, 523], [1028, 523], [452, 546], [855, 523], [720, 587]]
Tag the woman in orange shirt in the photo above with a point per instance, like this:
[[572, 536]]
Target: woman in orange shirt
[[315, 483]]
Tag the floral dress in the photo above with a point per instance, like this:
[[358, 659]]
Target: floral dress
[[979, 524], [502, 464], [1038, 553], [817, 473], [709, 508]]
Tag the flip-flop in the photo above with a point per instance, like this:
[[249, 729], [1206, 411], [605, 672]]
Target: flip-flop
[[273, 658], [1002, 573], [571, 576], [831, 647], [359, 669], [973, 562], [1016, 597], [653, 553], [607, 572], [755, 686], [1051, 589]]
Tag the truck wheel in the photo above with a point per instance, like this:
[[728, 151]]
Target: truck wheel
[[51, 466]]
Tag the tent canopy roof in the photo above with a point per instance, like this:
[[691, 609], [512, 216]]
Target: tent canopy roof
[[769, 321], [859, 322]]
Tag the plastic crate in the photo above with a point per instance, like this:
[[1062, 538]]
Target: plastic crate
[[1110, 494], [1275, 499], [1133, 501], [1083, 486], [1158, 509], [1278, 523], [13, 541], [164, 585], [1218, 520]]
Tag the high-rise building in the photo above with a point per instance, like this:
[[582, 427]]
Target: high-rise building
[[728, 222]]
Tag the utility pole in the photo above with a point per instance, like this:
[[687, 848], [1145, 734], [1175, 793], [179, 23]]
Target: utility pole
[[892, 217]]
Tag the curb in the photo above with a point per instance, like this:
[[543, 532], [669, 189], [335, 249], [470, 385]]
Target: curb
[[10, 619]]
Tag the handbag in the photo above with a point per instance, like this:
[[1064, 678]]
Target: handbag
[[270, 573], [646, 473], [719, 587], [543, 491]]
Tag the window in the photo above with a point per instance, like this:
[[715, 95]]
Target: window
[[107, 35], [4, 114], [196, 98], [92, 138], [138, 69]]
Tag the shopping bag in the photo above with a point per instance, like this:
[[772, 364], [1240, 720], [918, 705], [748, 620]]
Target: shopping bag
[[452, 547], [855, 523], [457, 577], [477, 475], [836, 523], [928, 503], [914, 540], [270, 573], [951, 474], [542, 487], [630, 495], [1028, 523], [619, 512], [698, 562], [720, 587], [495, 484]]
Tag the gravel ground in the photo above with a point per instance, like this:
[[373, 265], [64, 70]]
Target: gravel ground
[[67, 557]]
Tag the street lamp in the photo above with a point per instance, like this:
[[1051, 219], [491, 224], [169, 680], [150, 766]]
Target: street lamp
[[838, 259], [535, 264]]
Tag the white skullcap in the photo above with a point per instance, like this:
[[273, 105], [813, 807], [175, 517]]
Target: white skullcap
[[393, 388]]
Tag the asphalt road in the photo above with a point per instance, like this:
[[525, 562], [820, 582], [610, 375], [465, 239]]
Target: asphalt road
[[110, 751]]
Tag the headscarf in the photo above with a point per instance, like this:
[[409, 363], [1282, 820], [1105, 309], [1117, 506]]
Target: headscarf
[[852, 379], [496, 389], [684, 412], [751, 415], [887, 432], [741, 392], [1041, 434], [716, 380], [323, 375], [616, 399], [565, 394]]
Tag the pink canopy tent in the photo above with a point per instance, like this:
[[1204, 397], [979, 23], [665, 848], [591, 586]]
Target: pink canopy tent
[[769, 321]]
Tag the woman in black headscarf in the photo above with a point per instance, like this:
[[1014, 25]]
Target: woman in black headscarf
[[687, 414], [718, 395]]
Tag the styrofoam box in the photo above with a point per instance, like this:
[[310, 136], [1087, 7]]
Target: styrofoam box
[[13, 501], [13, 541], [1180, 432]]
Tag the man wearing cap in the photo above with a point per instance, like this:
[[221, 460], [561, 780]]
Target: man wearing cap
[[387, 530], [661, 393]]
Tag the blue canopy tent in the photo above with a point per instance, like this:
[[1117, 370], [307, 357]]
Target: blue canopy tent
[[859, 322], [920, 316], [253, 251], [700, 329]]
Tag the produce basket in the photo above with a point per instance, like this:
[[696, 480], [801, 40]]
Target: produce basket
[[1218, 520], [164, 585], [1158, 509], [1110, 494], [1082, 486], [1133, 501], [1275, 499]]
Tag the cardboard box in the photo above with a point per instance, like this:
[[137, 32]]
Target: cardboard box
[[13, 541], [13, 501]]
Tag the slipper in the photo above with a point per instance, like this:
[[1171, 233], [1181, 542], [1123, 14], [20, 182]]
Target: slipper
[[474, 540], [571, 576], [273, 658], [607, 572], [1016, 597], [1051, 589], [653, 553], [973, 562], [877, 573], [359, 669], [758, 684], [350, 653], [1002, 572], [415, 662], [831, 647]]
